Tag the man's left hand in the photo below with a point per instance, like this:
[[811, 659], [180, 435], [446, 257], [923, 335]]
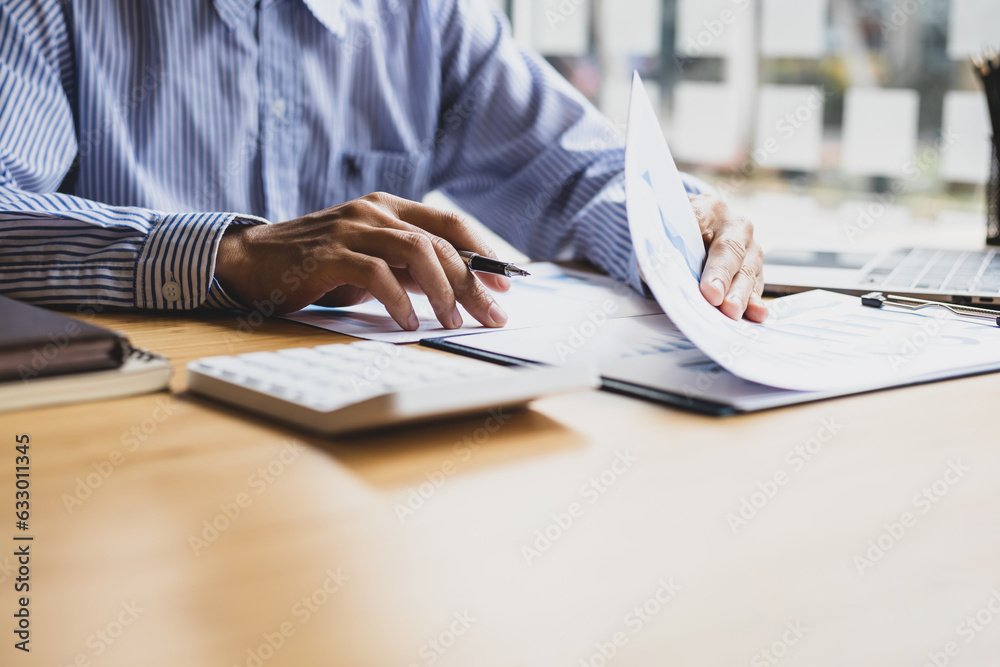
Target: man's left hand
[[733, 278]]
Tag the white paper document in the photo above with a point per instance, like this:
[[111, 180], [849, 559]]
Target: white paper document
[[651, 355], [550, 295], [815, 344], [648, 353], [819, 342]]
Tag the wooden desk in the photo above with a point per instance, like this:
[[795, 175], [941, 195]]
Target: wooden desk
[[322, 563]]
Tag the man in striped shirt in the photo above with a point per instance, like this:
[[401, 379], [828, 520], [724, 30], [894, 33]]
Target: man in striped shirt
[[146, 148]]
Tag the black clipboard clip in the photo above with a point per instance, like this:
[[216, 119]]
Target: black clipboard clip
[[880, 300]]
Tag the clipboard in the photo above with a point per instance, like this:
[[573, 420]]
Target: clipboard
[[609, 384], [669, 376]]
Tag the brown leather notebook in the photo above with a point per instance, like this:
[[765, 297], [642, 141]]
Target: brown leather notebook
[[35, 342]]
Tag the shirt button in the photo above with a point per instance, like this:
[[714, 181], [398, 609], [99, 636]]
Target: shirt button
[[171, 291], [279, 108]]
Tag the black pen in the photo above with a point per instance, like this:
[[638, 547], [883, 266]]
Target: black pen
[[477, 262]]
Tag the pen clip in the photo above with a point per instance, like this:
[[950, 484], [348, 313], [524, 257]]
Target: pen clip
[[880, 300]]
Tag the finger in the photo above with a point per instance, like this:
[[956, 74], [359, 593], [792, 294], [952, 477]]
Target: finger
[[469, 289], [757, 310], [495, 282], [749, 282], [406, 280], [414, 251], [452, 227], [738, 296], [449, 225], [726, 256], [343, 296], [703, 207], [373, 274]]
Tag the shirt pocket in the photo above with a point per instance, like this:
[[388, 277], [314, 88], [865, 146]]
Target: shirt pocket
[[404, 174]]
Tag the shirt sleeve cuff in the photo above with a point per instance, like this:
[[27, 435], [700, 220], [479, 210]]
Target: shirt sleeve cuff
[[176, 267], [219, 299]]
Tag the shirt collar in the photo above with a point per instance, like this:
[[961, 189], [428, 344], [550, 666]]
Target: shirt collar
[[327, 12]]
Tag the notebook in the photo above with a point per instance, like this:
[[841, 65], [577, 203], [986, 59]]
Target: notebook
[[35, 343], [47, 358]]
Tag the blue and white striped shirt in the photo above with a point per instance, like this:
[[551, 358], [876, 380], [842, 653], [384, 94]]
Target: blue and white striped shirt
[[133, 133]]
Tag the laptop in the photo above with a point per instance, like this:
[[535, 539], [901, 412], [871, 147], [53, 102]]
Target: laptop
[[956, 276]]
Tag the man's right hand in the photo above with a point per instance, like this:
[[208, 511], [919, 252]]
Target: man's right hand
[[377, 246]]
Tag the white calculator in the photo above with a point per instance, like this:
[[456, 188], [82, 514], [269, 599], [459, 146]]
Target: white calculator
[[347, 387]]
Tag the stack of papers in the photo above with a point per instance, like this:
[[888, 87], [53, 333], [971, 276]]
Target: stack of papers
[[815, 345]]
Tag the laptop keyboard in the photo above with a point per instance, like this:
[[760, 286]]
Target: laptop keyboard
[[940, 270]]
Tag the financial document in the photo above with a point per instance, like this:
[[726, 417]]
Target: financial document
[[550, 295], [814, 345], [652, 355], [818, 342]]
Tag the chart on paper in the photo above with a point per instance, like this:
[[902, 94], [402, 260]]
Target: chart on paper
[[821, 341]]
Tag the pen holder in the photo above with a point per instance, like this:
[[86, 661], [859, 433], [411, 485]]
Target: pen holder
[[993, 196]]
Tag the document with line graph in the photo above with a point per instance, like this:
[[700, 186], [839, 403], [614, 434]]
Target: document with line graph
[[825, 344], [650, 357], [815, 345]]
